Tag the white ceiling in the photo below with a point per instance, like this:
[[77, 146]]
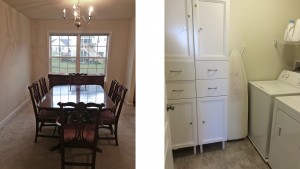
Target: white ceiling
[[53, 9]]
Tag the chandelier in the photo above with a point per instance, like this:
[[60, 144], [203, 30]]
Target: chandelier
[[78, 18]]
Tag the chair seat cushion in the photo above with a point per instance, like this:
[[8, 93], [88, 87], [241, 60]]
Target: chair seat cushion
[[71, 133], [48, 116], [107, 117]]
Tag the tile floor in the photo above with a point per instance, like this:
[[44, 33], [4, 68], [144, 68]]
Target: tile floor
[[238, 154]]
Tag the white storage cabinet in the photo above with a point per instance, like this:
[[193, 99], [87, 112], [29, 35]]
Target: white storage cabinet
[[211, 64], [196, 70]]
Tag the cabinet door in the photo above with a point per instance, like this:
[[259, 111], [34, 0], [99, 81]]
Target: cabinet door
[[285, 142], [178, 28], [212, 119], [211, 29], [183, 123]]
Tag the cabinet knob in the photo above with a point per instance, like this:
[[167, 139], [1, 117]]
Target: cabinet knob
[[203, 122], [170, 107], [191, 123]]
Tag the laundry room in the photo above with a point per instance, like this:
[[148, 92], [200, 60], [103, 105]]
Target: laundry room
[[232, 84]]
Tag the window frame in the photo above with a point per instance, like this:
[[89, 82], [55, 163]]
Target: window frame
[[78, 48]]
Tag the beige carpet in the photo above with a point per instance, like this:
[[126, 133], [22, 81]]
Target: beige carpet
[[18, 150]]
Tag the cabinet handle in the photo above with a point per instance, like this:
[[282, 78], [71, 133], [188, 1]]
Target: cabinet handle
[[212, 70], [200, 29], [177, 90], [170, 107], [215, 88], [175, 71], [279, 131]]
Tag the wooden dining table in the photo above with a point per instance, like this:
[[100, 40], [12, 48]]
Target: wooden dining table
[[75, 93]]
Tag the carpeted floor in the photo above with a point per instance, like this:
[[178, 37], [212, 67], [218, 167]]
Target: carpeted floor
[[18, 150]]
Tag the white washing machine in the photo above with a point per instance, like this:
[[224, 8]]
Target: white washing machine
[[285, 137], [261, 102]]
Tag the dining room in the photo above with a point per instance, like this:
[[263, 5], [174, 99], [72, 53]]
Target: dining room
[[45, 38]]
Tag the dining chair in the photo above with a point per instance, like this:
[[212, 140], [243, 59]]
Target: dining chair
[[112, 87], [43, 85], [42, 117], [77, 79], [110, 118], [79, 129]]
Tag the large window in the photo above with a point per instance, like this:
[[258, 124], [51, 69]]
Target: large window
[[84, 53]]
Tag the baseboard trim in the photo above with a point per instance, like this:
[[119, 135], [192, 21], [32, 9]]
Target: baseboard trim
[[12, 114]]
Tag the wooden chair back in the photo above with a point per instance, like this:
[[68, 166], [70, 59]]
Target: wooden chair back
[[112, 87], [43, 85], [119, 100], [77, 79], [35, 96]]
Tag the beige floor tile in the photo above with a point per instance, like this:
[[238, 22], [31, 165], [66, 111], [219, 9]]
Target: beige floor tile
[[238, 154]]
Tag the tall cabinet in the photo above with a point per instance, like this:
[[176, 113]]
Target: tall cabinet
[[180, 73], [211, 64], [196, 70]]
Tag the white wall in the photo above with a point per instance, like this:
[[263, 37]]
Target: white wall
[[118, 56], [15, 59], [257, 23]]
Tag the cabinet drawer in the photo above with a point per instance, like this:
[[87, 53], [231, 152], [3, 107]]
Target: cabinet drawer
[[180, 70], [211, 69], [181, 89], [217, 87]]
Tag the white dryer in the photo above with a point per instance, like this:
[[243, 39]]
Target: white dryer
[[261, 102], [285, 137]]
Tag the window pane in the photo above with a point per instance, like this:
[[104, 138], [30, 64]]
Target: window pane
[[73, 40], [67, 65], [72, 51], [55, 62], [82, 70], [54, 50]]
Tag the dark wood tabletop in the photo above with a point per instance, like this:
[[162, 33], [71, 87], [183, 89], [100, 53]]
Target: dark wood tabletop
[[82, 93]]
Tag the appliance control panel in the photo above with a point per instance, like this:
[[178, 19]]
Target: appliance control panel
[[290, 77]]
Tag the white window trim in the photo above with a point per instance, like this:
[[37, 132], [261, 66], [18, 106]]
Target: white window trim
[[109, 33]]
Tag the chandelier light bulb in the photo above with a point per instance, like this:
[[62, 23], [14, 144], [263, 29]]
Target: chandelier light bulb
[[91, 9], [64, 11], [79, 19]]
